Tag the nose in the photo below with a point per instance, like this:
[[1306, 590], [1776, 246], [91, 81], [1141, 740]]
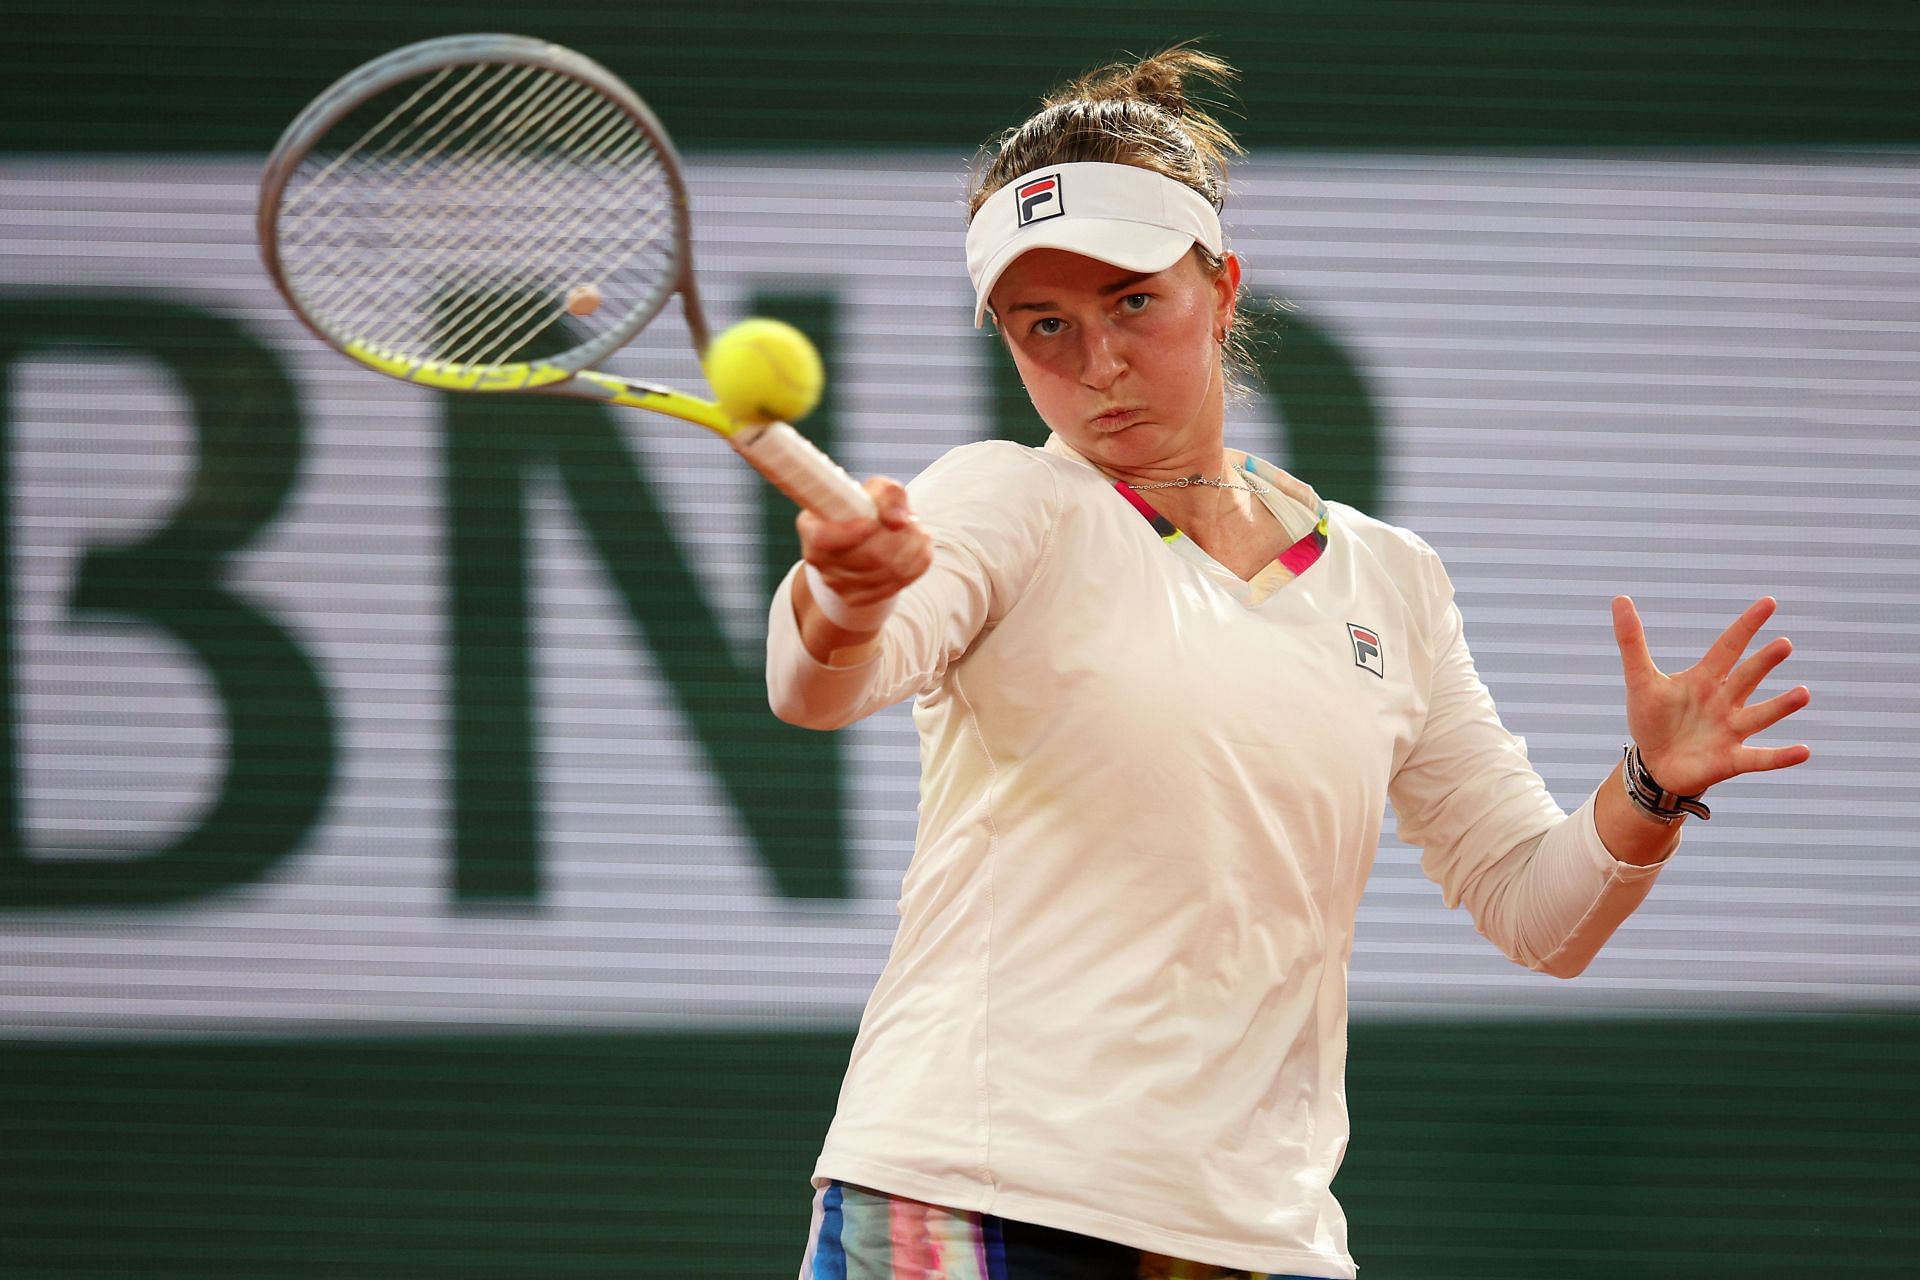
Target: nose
[[1102, 357]]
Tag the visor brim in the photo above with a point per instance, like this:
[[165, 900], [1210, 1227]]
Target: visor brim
[[1131, 246]]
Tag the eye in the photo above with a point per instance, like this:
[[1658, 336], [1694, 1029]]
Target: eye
[[1135, 302], [1047, 326]]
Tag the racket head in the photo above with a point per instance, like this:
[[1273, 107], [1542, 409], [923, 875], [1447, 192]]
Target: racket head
[[433, 213]]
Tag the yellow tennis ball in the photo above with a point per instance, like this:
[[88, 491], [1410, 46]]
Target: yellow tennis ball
[[764, 371]]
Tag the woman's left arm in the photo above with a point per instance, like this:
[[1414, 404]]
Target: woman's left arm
[[1691, 727]]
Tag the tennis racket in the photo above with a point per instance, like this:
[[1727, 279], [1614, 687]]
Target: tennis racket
[[493, 213]]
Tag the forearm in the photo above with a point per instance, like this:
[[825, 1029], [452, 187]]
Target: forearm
[[924, 593], [1629, 834], [1579, 900], [823, 676], [826, 642], [1553, 901], [805, 688]]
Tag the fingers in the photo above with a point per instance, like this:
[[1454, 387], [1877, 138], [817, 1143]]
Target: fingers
[[1734, 640], [1765, 759], [1699, 716], [891, 511], [1764, 715], [1747, 676], [869, 558], [1721, 658], [1741, 682], [1631, 635], [890, 501]]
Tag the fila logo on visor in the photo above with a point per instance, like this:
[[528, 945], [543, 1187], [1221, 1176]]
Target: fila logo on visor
[[1366, 649], [1039, 199]]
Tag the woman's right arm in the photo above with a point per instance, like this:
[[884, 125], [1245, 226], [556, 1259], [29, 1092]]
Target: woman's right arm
[[989, 510], [865, 563]]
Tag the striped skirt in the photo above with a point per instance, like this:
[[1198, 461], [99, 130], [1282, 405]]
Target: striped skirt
[[867, 1235]]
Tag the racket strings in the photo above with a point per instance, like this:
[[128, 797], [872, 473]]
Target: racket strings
[[395, 200], [424, 241], [522, 302], [371, 196], [417, 202], [520, 306], [451, 227], [366, 172], [586, 215], [320, 181]]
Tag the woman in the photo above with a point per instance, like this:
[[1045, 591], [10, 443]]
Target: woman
[[1164, 692]]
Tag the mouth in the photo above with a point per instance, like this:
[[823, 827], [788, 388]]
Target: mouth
[[1116, 419]]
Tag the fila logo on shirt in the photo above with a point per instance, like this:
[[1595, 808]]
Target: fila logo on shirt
[[1366, 649], [1039, 200]]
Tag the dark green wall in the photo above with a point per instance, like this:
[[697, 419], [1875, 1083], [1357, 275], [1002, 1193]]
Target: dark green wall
[[1685, 1147], [226, 76]]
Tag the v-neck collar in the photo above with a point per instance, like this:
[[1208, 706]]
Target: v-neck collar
[[1292, 501]]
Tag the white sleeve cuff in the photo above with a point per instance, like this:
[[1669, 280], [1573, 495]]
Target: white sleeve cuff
[[842, 613], [1574, 868], [801, 689]]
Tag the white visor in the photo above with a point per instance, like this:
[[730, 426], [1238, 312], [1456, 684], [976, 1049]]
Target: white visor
[[1121, 214]]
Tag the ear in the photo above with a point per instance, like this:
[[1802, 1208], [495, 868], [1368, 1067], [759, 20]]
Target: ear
[[1226, 293]]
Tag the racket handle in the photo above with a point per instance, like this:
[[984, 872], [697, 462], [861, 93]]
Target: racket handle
[[795, 466]]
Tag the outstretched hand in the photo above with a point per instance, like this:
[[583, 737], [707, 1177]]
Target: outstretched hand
[[1692, 726]]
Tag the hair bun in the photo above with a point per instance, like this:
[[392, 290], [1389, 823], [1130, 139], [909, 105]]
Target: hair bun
[[1159, 80], [1137, 113]]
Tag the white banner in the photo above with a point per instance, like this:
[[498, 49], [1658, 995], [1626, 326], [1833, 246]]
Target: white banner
[[1691, 380]]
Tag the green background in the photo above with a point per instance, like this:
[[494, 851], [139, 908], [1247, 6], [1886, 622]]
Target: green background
[[747, 73], [1720, 1146], [1709, 1147]]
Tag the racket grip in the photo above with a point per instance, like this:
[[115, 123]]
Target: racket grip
[[796, 467]]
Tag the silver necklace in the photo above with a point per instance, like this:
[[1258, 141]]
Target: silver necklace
[[1188, 481]]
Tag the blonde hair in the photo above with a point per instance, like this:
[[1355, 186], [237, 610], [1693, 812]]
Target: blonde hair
[[1124, 113]]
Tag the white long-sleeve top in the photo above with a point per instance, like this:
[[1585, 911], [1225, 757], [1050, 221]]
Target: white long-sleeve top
[[1151, 794]]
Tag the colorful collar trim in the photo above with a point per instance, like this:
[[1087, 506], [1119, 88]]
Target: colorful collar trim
[[1296, 559]]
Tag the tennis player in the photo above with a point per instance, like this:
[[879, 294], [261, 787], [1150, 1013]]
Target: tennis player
[[1164, 692]]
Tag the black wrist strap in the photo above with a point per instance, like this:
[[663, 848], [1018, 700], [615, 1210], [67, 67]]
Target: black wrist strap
[[1653, 799]]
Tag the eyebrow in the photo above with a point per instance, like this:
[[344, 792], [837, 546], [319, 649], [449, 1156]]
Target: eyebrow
[[1119, 286]]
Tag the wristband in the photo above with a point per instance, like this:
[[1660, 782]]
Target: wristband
[[840, 612], [1654, 800]]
